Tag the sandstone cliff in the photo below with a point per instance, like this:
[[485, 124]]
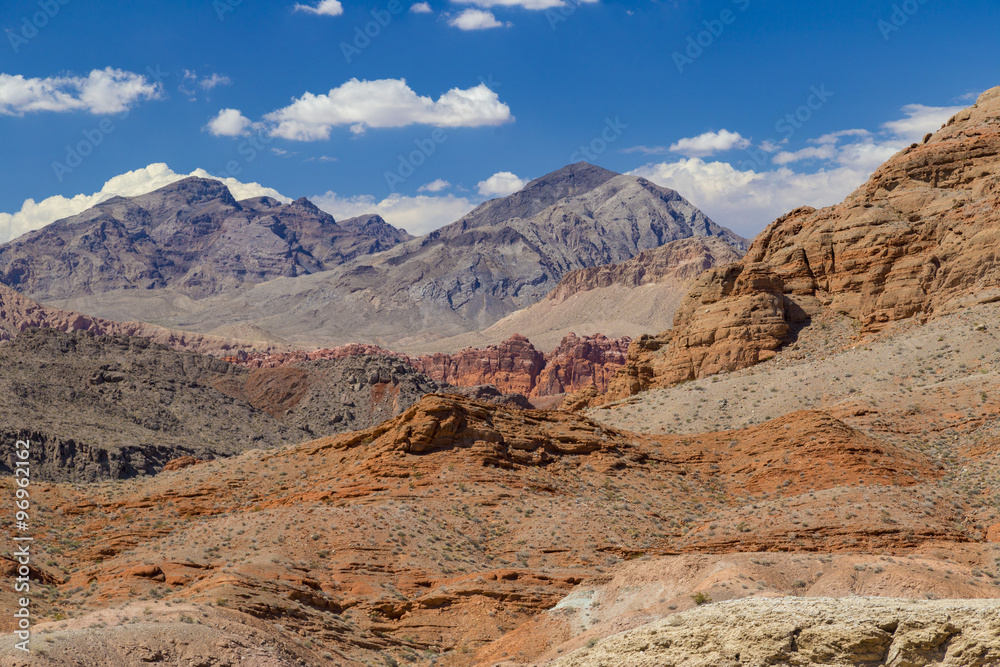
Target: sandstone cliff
[[795, 632], [513, 366], [919, 238]]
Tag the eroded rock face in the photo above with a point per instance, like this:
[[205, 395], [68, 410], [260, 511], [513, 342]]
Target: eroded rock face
[[920, 238], [791, 631], [513, 367]]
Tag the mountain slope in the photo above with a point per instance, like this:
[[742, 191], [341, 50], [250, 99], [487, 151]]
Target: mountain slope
[[191, 236], [618, 300], [920, 238], [463, 277], [19, 313]]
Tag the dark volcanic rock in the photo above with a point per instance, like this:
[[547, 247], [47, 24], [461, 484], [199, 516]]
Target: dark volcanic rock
[[191, 236], [505, 255], [117, 406]]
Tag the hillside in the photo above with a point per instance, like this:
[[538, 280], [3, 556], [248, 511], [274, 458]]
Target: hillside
[[505, 255], [99, 407], [464, 533], [918, 240], [191, 236], [616, 300]]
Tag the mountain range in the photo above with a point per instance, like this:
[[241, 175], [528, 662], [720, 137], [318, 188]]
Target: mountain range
[[188, 256], [801, 469], [191, 237]]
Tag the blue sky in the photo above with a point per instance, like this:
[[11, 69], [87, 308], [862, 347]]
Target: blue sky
[[476, 96]]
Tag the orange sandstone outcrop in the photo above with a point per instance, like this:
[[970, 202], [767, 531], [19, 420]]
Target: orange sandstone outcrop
[[920, 238], [513, 366]]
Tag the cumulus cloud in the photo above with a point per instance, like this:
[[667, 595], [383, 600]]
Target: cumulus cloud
[[229, 123], [385, 103], [324, 8], [749, 194], [822, 152], [919, 121], [745, 200], [500, 184], [420, 8], [709, 143], [35, 215], [476, 19], [103, 91], [436, 185], [417, 215]]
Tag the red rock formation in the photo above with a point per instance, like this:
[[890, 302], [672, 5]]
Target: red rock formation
[[579, 363], [514, 366], [920, 238]]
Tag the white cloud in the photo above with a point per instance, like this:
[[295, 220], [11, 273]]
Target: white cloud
[[103, 91], [500, 184], [229, 123], [191, 83], [709, 143], [417, 215], [436, 185], [420, 8], [823, 152], [919, 121], [749, 195], [385, 103], [476, 19], [210, 82], [324, 8], [834, 137], [746, 201], [523, 4], [35, 215]]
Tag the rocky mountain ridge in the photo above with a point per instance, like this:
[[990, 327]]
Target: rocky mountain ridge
[[460, 278], [191, 236], [98, 407]]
